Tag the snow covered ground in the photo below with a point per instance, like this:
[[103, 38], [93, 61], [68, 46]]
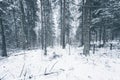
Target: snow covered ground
[[59, 65]]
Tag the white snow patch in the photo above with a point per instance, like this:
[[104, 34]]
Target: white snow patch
[[59, 65]]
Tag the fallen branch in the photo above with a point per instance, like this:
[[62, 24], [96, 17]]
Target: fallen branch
[[20, 54], [51, 73], [3, 77]]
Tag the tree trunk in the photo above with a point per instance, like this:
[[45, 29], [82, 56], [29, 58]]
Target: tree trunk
[[45, 33], [86, 27], [42, 31], [100, 36], [4, 51], [23, 24], [104, 35], [82, 38], [61, 21], [16, 29], [64, 24]]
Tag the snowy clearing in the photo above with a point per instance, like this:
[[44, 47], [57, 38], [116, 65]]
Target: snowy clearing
[[33, 65]]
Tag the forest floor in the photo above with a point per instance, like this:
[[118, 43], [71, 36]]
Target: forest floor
[[59, 65]]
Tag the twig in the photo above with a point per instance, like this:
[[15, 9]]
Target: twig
[[48, 73], [22, 70], [45, 70], [23, 65], [25, 74], [53, 66]]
